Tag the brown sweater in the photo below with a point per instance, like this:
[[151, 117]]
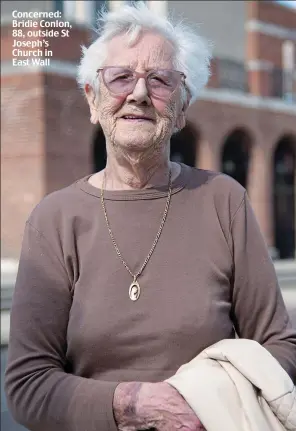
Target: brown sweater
[[74, 331]]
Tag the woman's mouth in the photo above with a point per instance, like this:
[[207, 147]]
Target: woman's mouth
[[133, 118]]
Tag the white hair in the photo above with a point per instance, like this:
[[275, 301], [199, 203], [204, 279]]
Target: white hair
[[192, 57]]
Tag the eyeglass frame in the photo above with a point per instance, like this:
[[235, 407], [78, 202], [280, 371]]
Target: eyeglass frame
[[143, 75]]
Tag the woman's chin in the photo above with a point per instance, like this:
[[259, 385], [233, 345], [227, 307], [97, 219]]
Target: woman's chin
[[136, 143]]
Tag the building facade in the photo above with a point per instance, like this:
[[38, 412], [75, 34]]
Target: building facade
[[244, 123]]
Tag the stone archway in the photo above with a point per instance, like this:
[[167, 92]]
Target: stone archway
[[99, 151], [184, 146], [236, 155], [284, 166]]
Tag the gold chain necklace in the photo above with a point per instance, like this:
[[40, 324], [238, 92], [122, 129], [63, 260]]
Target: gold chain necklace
[[134, 289]]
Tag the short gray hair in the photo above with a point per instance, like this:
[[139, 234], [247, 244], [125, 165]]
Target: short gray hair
[[193, 54]]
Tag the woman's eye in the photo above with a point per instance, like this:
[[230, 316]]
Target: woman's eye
[[158, 80], [122, 77]]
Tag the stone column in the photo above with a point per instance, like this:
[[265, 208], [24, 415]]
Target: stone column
[[260, 191], [207, 156]]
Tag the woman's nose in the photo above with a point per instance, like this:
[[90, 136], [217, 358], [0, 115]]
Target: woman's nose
[[140, 93]]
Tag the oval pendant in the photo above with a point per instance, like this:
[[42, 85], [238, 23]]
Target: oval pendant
[[134, 291]]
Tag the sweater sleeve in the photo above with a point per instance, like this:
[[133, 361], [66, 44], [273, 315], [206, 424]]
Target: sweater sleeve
[[41, 395], [258, 310]]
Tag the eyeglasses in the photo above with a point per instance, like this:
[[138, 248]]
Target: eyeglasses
[[161, 83]]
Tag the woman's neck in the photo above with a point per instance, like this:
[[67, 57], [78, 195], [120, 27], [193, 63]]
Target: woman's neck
[[134, 176]]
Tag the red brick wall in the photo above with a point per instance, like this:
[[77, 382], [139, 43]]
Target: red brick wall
[[46, 136], [69, 133], [260, 82], [265, 47], [271, 12], [22, 138]]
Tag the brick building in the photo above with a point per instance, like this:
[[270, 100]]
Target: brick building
[[244, 123]]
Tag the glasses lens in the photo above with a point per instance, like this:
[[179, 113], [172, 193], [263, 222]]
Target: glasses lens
[[119, 80], [162, 83]]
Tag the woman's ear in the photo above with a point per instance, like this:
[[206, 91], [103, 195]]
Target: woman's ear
[[181, 120], [91, 98], [187, 101]]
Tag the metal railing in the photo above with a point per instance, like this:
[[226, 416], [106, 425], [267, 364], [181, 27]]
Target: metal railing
[[233, 75]]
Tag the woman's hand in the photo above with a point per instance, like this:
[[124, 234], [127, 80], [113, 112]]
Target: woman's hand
[[142, 406]]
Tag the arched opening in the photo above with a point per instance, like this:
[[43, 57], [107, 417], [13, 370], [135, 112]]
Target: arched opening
[[236, 155], [284, 196], [99, 151], [183, 146]]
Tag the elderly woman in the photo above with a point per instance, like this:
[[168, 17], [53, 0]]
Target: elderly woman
[[131, 272]]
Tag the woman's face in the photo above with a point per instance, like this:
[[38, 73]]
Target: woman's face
[[152, 51]]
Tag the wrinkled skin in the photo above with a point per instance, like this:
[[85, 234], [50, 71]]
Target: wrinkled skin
[[137, 154], [142, 406]]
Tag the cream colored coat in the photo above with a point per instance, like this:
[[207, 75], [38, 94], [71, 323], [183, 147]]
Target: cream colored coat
[[237, 385]]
